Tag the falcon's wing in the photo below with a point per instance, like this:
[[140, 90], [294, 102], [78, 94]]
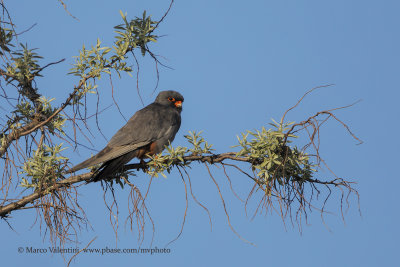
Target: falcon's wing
[[145, 126]]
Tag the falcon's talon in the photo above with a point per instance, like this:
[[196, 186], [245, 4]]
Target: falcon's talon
[[148, 131]]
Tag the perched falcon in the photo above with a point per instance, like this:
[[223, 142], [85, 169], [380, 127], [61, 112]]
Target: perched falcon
[[146, 132]]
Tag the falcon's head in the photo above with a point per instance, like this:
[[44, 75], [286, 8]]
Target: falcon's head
[[170, 98]]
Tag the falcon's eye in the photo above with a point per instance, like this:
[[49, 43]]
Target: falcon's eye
[[171, 99]]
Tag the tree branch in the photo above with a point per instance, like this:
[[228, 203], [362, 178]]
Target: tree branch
[[87, 177], [36, 124]]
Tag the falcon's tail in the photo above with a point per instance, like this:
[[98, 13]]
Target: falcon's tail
[[110, 167]]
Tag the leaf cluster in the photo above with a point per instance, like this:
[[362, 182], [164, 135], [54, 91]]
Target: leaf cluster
[[6, 37], [25, 113], [23, 68], [46, 109], [44, 168], [134, 33], [272, 158]]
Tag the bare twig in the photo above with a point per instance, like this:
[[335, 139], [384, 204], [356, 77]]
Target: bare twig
[[66, 10], [76, 254]]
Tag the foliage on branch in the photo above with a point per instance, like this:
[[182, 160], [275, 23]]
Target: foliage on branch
[[135, 33], [25, 113], [6, 36], [97, 60], [45, 168], [272, 159], [24, 67]]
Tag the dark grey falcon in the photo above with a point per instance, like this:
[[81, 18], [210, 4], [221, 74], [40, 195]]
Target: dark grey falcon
[[148, 131]]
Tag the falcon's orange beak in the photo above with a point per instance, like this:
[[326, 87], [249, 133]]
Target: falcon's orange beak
[[178, 104]]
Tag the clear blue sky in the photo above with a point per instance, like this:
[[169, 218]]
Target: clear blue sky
[[238, 65]]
